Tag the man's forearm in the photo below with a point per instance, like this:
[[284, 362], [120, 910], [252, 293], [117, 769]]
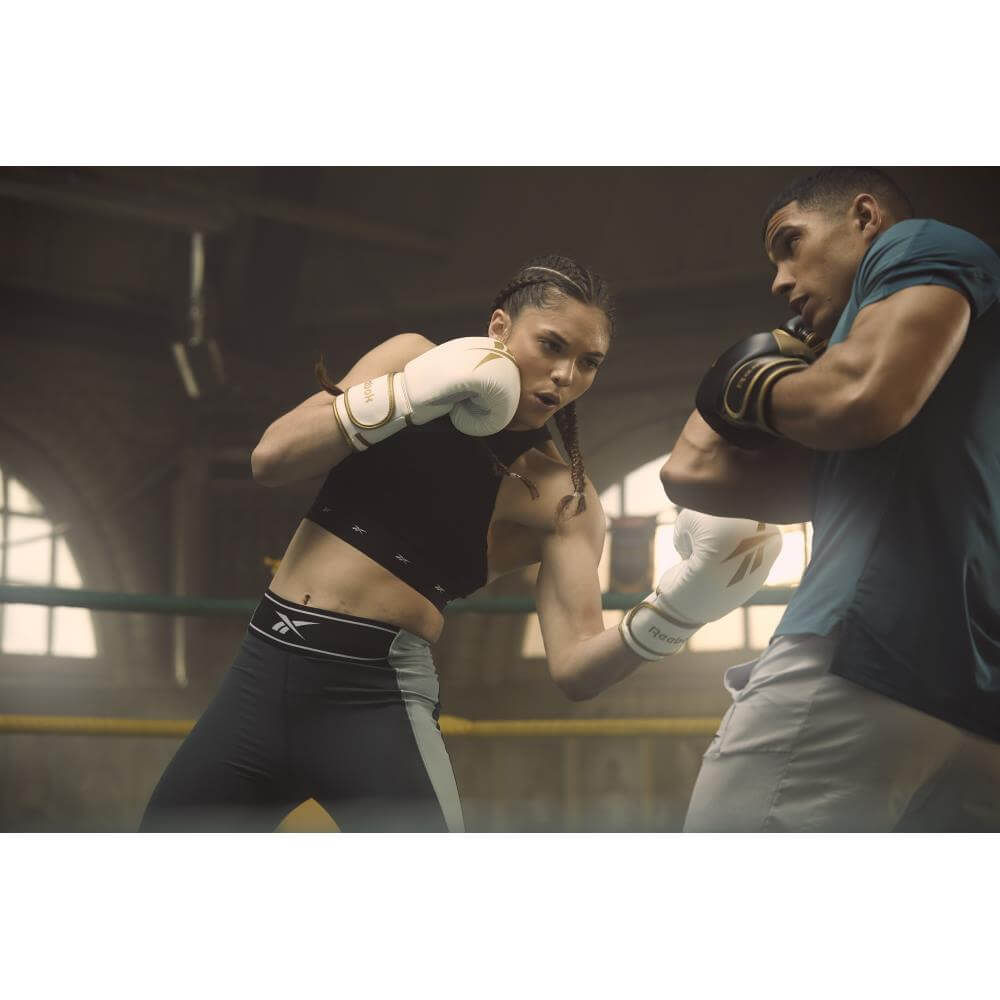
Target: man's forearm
[[826, 408], [700, 463], [706, 473]]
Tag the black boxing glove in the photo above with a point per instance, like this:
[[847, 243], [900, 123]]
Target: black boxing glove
[[734, 396]]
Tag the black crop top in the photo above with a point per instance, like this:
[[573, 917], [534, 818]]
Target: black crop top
[[420, 503]]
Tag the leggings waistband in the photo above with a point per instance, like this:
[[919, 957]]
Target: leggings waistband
[[314, 632]]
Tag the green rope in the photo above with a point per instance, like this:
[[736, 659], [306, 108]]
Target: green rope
[[167, 604]]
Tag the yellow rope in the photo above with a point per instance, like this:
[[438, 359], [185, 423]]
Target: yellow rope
[[451, 725], [82, 726]]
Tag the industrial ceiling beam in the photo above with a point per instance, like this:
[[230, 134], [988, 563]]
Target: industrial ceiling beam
[[204, 209], [78, 194]]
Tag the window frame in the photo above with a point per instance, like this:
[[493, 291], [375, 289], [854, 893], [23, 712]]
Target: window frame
[[19, 662]]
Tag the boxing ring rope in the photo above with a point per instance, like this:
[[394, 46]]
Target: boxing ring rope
[[451, 725], [170, 604]]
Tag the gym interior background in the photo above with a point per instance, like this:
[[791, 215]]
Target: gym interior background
[[155, 320]]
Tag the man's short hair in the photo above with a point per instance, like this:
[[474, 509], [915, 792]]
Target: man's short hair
[[833, 188]]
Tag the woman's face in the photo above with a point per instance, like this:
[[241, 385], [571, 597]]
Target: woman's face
[[558, 349]]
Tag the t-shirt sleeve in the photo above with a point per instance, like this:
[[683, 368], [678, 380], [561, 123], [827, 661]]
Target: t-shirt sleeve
[[927, 252]]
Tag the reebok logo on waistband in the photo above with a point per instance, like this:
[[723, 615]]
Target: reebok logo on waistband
[[286, 625]]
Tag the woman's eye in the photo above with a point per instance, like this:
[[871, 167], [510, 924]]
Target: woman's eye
[[552, 344]]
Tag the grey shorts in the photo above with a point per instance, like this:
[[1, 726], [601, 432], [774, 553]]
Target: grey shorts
[[802, 750]]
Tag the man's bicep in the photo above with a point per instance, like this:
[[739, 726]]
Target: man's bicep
[[901, 347]]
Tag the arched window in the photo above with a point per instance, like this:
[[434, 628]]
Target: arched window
[[33, 552], [639, 494]]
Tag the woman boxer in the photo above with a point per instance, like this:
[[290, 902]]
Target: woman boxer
[[441, 477]]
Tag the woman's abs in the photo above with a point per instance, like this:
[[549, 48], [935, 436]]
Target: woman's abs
[[323, 571]]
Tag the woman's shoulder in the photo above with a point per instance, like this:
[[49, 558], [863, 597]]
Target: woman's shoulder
[[405, 346]]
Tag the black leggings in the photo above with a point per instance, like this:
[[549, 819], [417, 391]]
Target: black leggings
[[339, 709]]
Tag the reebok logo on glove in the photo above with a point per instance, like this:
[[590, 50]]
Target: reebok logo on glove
[[664, 636], [754, 559], [702, 587]]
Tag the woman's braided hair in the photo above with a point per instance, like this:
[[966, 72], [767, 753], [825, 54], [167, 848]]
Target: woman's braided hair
[[539, 283]]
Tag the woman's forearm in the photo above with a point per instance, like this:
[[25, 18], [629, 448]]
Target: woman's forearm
[[301, 444], [589, 666]]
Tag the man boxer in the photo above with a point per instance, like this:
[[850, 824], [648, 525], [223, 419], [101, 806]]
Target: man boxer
[[877, 704]]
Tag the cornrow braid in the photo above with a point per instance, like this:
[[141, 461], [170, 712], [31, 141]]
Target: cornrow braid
[[499, 469], [323, 378], [566, 422], [508, 290]]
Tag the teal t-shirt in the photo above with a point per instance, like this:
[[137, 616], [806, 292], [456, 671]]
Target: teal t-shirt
[[906, 546]]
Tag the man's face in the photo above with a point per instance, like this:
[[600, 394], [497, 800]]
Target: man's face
[[816, 253]]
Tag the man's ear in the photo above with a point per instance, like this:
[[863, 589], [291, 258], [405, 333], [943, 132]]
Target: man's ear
[[867, 215]]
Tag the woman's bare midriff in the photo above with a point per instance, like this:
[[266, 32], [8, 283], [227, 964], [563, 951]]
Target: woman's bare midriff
[[323, 571]]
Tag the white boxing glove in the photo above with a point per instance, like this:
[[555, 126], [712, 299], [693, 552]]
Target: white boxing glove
[[725, 561], [475, 379]]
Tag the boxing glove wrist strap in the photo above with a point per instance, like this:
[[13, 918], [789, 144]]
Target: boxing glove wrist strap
[[747, 395], [373, 410], [652, 631]]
